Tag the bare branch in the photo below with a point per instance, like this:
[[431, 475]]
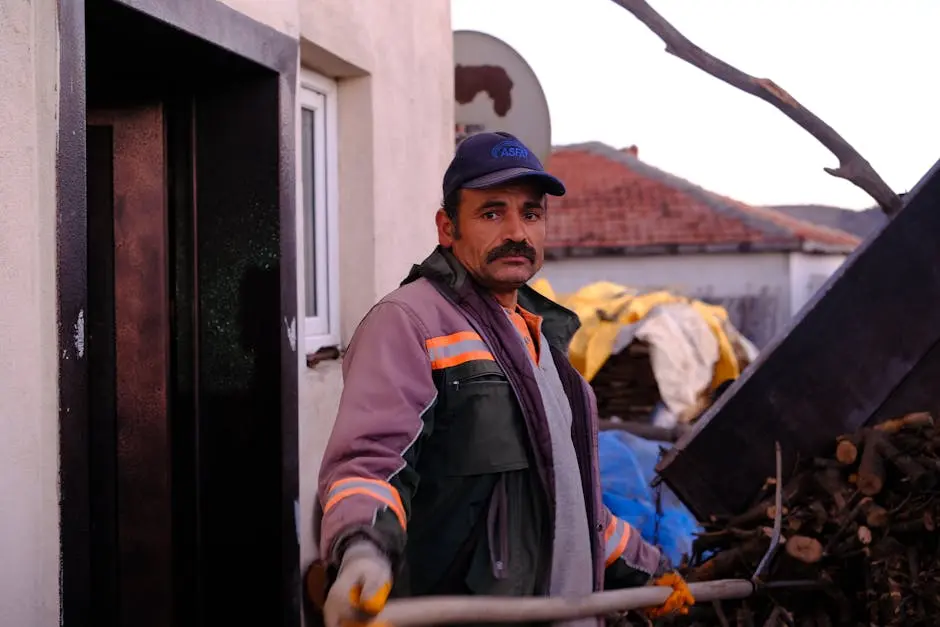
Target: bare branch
[[852, 166]]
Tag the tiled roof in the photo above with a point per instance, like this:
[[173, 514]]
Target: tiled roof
[[617, 203], [859, 223]]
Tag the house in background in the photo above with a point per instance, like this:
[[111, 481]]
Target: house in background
[[194, 196], [628, 222]]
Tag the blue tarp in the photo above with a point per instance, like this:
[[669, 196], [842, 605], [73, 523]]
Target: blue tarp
[[628, 465]]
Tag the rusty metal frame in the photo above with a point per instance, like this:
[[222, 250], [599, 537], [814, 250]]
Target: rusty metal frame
[[222, 26]]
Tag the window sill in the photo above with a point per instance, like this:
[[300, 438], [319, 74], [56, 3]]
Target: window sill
[[327, 353]]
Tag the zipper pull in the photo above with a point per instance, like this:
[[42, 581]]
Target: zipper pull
[[456, 385]]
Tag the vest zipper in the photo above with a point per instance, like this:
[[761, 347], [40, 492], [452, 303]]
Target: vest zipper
[[474, 379], [497, 530]]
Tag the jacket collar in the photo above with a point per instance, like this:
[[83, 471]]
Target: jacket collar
[[442, 268]]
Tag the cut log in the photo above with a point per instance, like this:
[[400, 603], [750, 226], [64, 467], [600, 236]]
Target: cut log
[[831, 481], [914, 420], [871, 470], [730, 561], [915, 473], [875, 515], [875, 540], [763, 511], [804, 549], [847, 449]]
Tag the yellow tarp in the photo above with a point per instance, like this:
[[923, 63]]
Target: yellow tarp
[[605, 307]]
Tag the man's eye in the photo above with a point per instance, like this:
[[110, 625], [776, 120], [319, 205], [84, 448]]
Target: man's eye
[[532, 216], [489, 215]]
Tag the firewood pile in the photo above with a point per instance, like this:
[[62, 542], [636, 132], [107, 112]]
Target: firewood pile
[[625, 386], [860, 523]]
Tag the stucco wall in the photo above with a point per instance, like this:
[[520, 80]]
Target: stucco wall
[[283, 15], [719, 276], [393, 63], [29, 514], [807, 274]]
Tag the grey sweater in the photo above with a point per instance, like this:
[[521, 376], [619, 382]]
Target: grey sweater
[[572, 566]]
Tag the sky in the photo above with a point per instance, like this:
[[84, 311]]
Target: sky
[[860, 65]]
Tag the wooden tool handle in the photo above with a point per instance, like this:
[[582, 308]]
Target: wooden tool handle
[[454, 610]]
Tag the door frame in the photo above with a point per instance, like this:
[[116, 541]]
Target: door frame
[[226, 28]]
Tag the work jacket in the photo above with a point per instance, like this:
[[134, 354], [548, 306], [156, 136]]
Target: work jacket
[[441, 453]]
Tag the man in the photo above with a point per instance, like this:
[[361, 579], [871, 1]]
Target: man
[[464, 455]]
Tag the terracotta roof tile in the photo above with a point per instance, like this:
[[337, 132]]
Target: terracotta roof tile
[[614, 200]]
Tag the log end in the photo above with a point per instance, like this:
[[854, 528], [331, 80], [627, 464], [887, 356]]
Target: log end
[[805, 549], [870, 485], [846, 452], [876, 517]]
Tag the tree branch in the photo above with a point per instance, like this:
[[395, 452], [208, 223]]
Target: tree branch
[[852, 166]]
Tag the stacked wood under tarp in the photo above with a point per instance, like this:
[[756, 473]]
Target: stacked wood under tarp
[[625, 386], [861, 521], [666, 359], [655, 357]]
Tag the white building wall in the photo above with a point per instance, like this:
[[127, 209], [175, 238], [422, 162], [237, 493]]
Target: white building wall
[[29, 456], [807, 274], [394, 66], [719, 276]]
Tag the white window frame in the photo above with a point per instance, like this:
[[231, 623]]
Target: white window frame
[[318, 94]]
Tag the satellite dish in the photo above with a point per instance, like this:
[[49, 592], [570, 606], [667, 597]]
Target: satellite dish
[[496, 90]]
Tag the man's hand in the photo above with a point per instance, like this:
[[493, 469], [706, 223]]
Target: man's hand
[[361, 588], [678, 602]]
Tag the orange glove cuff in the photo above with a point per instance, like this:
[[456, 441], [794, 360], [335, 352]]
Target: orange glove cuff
[[678, 602], [370, 605]]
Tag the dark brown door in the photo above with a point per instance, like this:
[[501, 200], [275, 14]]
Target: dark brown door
[[129, 354]]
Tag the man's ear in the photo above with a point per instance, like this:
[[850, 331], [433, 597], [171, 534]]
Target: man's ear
[[446, 230]]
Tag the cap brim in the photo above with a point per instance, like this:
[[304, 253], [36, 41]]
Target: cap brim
[[549, 184]]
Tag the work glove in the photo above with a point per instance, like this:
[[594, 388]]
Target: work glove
[[678, 602], [361, 588]]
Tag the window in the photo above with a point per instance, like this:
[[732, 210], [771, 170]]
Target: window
[[317, 203]]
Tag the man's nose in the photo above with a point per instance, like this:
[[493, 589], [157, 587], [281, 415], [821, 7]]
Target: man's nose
[[514, 228]]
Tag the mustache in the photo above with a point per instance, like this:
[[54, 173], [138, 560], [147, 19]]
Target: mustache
[[511, 249]]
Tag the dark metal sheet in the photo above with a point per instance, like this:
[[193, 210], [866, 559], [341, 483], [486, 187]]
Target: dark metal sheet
[[142, 340], [919, 391], [860, 339]]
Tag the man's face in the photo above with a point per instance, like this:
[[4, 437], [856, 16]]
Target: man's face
[[501, 234]]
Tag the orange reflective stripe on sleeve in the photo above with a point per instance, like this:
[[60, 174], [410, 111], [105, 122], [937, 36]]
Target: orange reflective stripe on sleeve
[[381, 491], [455, 349], [616, 537]]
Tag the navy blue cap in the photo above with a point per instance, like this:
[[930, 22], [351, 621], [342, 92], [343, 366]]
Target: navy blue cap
[[490, 159]]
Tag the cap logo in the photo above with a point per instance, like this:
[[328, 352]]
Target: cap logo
[[509, 148]]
